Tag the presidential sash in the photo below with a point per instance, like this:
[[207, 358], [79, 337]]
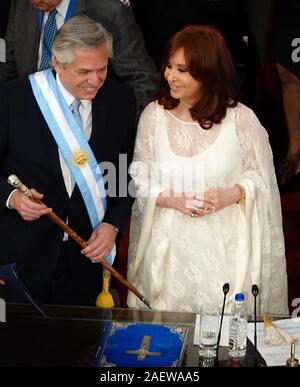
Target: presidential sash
[[73, 145]]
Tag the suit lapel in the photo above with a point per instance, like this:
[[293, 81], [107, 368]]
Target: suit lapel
[[99, 117], [53, 154], [29, 17], [80, 8]]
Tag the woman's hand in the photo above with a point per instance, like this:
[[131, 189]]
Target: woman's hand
[[222, 197], [187, 203]]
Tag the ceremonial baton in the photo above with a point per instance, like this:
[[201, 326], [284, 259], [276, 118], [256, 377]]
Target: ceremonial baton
[[16, 183]]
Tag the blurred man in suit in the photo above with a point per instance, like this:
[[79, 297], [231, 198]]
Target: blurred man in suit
[[234, 18], [25, 32], [286, 52], [4, 9]]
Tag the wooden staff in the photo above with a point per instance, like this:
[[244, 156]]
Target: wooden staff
[[16, 183]]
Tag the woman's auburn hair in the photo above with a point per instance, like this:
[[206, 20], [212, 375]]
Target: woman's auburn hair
[[210, 62]]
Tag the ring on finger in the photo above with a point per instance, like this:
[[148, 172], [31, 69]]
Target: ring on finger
[[194, 213]]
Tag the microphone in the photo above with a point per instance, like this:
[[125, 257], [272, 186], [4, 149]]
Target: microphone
[[226, 288], [255, 292]]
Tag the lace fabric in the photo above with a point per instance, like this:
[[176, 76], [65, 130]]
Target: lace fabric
[[181, 263]]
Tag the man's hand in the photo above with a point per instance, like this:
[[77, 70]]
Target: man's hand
[[26, 208], [101, 242]]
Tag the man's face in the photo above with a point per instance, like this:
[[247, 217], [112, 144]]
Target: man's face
[[87, 72], [44, 5]]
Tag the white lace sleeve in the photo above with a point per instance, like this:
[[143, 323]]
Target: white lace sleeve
[[262, 209], [144, 205], [141, 169], [248, 130], [258, 157]]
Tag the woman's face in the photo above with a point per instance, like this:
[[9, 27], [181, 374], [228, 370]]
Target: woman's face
[[182, 85]]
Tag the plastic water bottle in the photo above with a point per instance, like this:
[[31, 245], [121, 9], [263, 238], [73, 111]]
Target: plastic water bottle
[[238, 329]]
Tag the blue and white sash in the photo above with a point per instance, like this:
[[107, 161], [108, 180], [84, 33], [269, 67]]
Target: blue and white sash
[[73, 145]]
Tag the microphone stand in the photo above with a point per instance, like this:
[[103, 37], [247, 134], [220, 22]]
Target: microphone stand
[[255, 292], [225, 291]]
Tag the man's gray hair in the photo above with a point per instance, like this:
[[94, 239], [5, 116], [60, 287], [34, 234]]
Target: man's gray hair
[[79, 32]]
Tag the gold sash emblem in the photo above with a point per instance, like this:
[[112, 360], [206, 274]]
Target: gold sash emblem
[[80, 158]]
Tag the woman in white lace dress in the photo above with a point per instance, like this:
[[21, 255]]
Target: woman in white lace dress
[[208, 209]]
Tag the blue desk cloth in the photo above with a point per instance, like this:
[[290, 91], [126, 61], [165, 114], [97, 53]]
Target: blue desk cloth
[[120, 337]]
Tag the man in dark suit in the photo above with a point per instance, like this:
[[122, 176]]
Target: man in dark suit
[[52, 266], [130, 61], [236, 19], [4, 8], [226, 15]]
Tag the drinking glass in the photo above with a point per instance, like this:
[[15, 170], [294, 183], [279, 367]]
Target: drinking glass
[[208, 331]]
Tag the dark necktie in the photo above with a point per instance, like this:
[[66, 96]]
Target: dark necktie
[[49, 33]]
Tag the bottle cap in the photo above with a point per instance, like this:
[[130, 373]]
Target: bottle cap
[[239, 297], [235, 362]]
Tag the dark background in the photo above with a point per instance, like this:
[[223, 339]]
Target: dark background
[[4, 8]]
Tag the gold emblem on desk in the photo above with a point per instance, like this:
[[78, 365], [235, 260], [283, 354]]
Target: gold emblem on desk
[[143, 351], [80, 158], [292, 361]]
